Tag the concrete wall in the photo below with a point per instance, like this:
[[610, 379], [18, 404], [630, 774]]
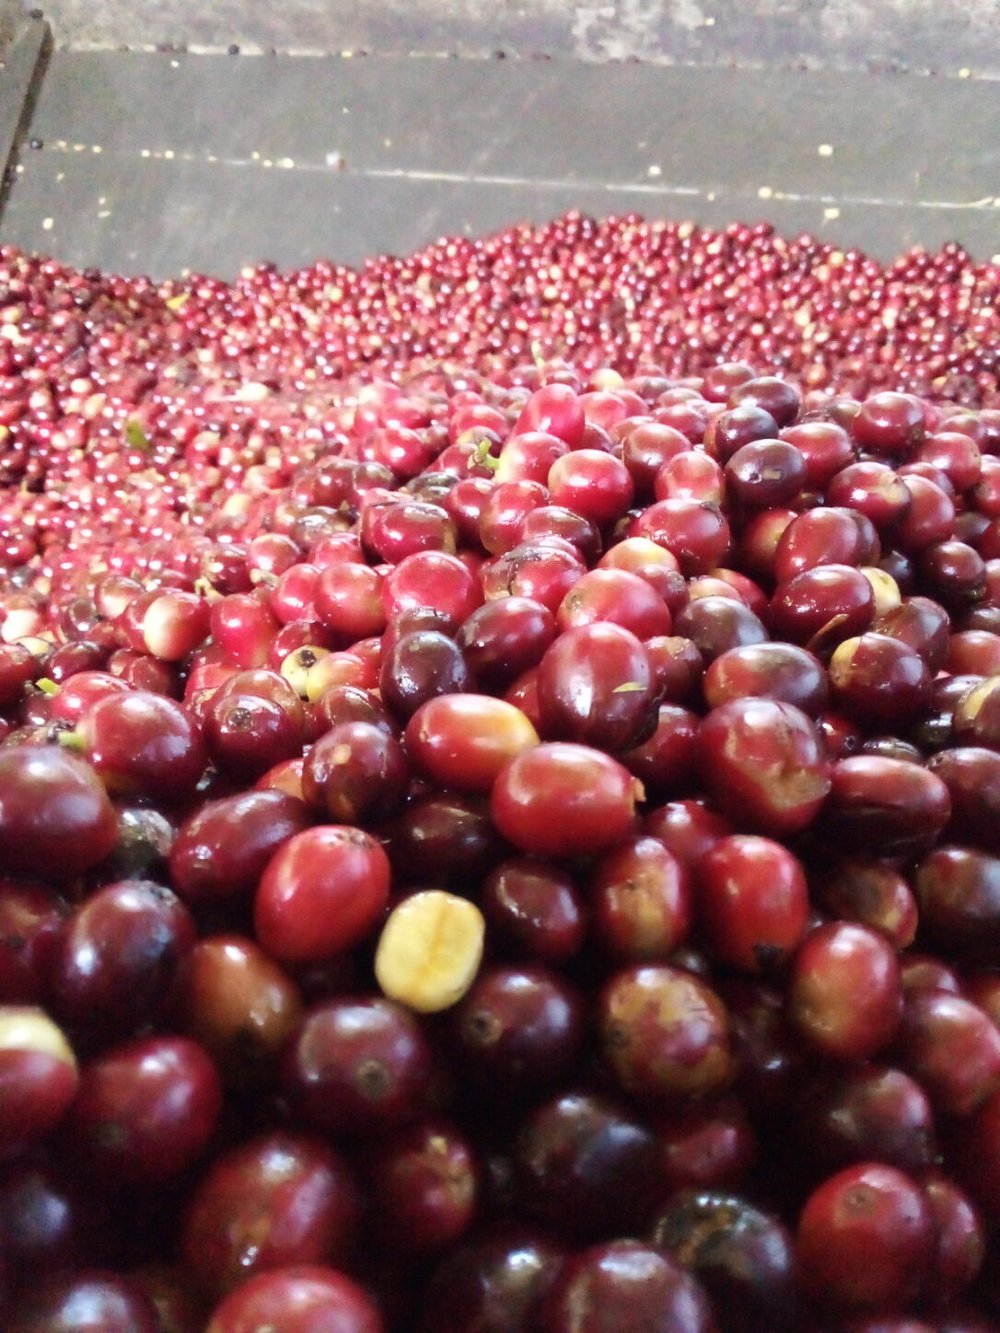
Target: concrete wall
[[939, 36]]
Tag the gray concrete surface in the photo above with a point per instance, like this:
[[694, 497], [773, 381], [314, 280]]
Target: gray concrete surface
[[938, 35], [164, 162], [24, 46], [811, 114]]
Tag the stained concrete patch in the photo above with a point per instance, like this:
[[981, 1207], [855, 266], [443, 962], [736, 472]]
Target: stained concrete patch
[[939, 35]]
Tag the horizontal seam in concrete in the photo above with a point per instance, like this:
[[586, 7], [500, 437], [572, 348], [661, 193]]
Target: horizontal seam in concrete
[[655, 189], [802, 64]]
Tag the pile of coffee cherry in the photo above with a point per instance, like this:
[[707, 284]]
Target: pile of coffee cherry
[[500, 791]]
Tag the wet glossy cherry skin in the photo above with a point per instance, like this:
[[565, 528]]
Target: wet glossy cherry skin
[[246, 734], [953, 1048], [621, 596], [275, 1200], [960, 1237], [239, 1004], [820, 607], [624, 1284], [585, 1164], [719, 623], [764, 763], [884, 806], [221, 850], [56, 820], [81, 690], [743, 1256], [143, 744], [462, 741], [865, 1239], [355, 773], [712, 1144], [666, 762], [297, 1298], [958, 891], [871, 892], [555, 408], [39, 1077], [563, 799], [972, 775], [872, 1112], [50, 1220], [90, 1299], [494, 1281], [781, 671], [517, 1032], [753, 902], [423, 1183], [641, 900], [879, 681], [664, 1034], [534, 909], [445, 837], [146, 1110], [322, 892], [119, 957], [357, 1062], [844, 992], [503, 638], [32, 923], [597, 686], [419, 666], [696, 532]]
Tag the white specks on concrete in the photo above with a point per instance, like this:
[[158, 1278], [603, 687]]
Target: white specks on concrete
[[825, 149], [48, 224], [654, 172], [687, 14]]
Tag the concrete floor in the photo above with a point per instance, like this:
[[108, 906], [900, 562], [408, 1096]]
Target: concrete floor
[[942, 36], [166, 161]]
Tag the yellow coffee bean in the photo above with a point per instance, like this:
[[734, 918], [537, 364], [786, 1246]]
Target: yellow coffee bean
[[430, 949]]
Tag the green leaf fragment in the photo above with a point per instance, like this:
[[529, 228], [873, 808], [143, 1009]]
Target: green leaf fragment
[[136, 437]]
